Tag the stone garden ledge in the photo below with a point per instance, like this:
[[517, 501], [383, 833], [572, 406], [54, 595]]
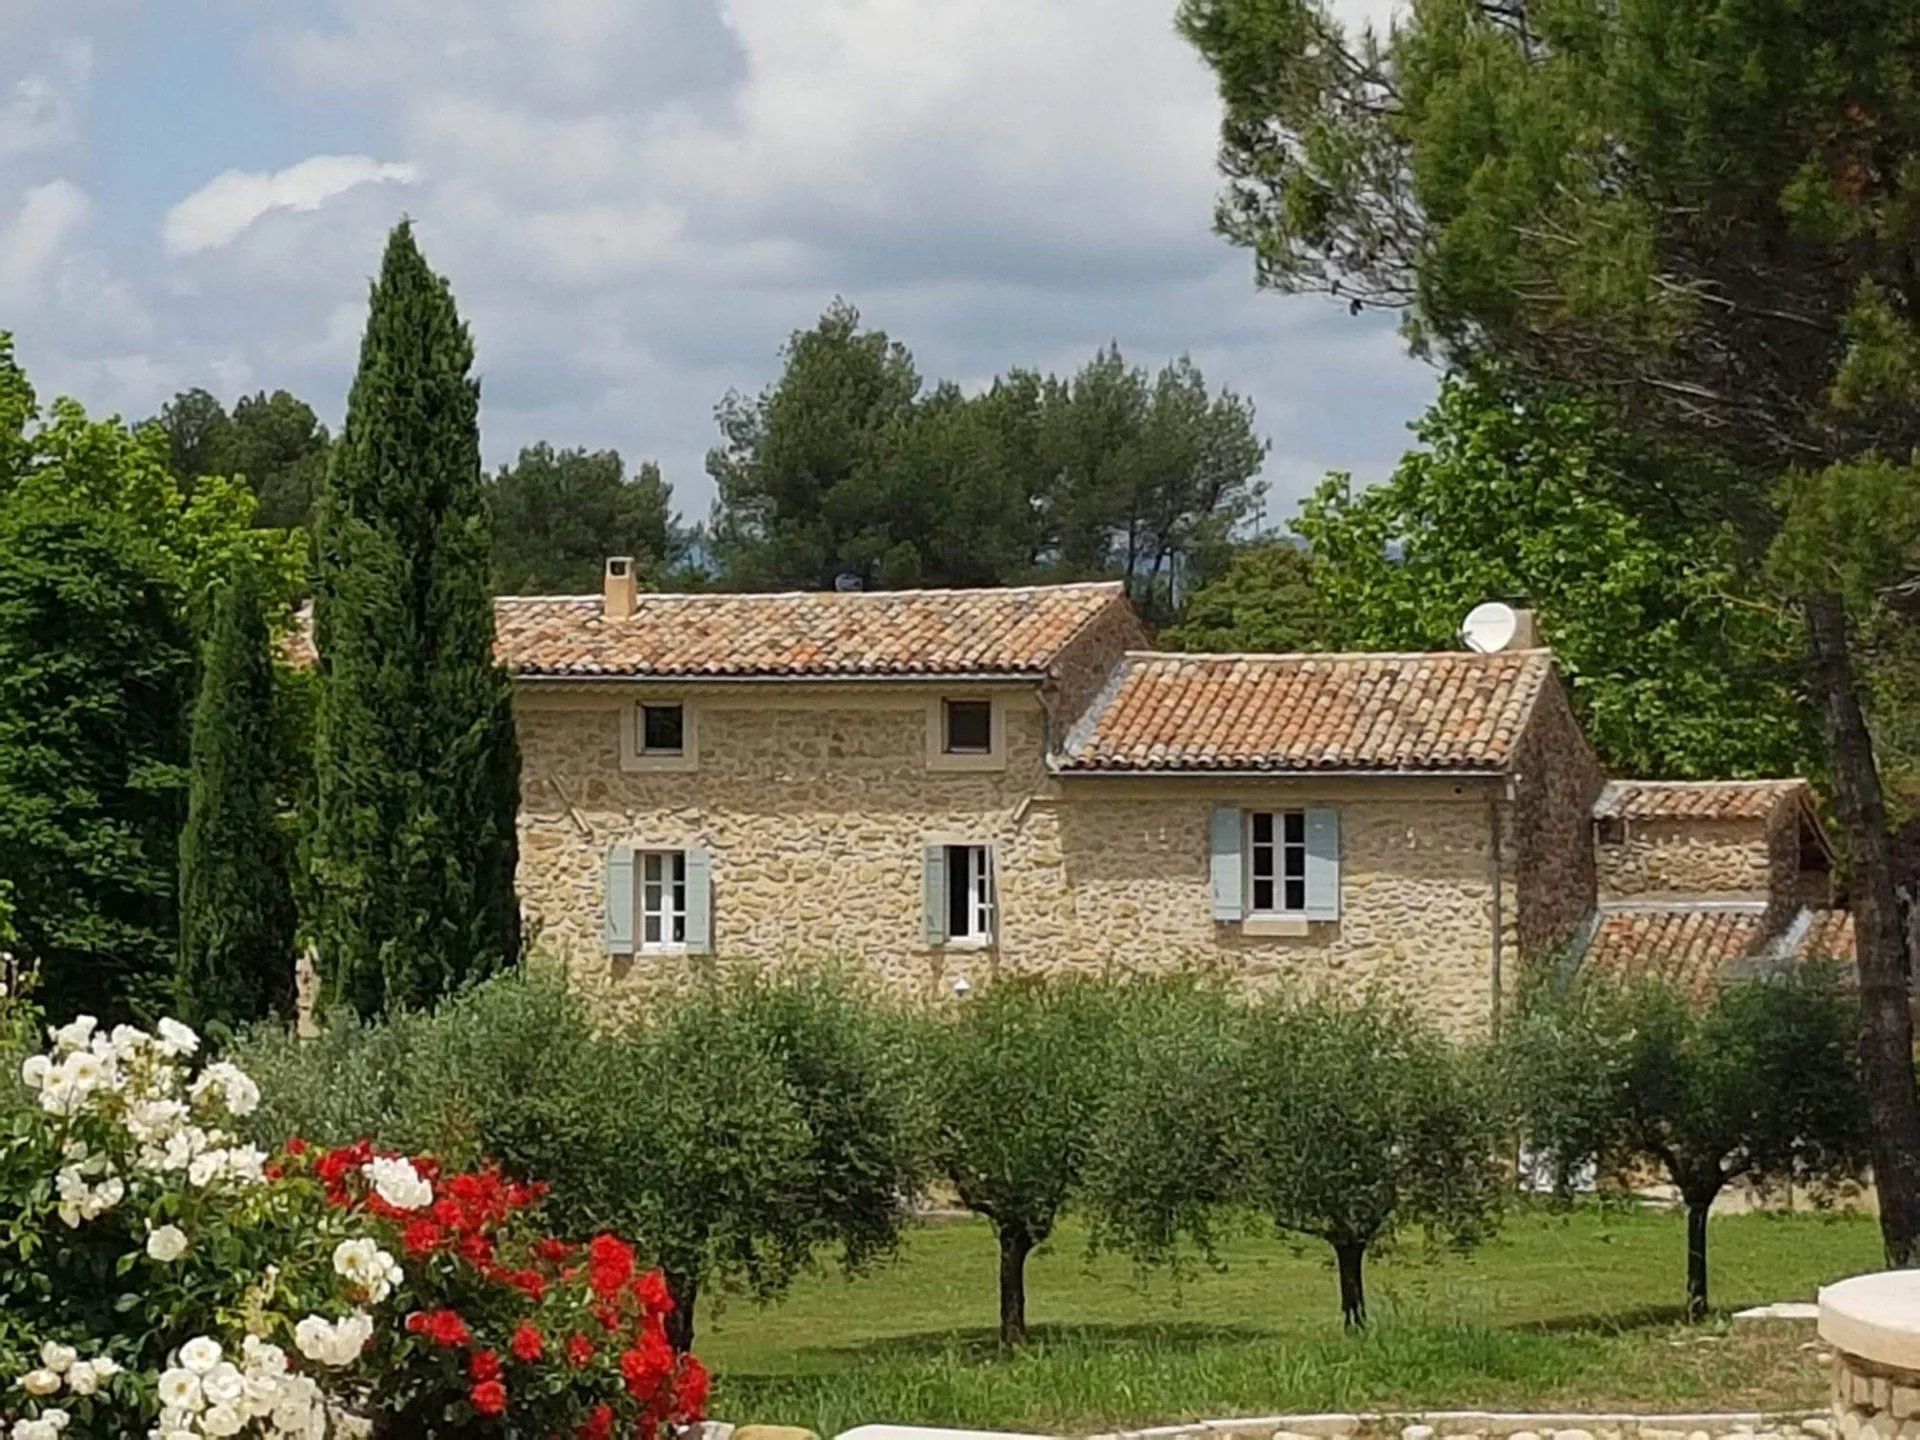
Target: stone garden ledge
[[1873, 1324], [1501, 1425]]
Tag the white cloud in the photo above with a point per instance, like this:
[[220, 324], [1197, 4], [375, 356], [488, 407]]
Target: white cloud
[[42, 109], [39, 237], [219, 211]]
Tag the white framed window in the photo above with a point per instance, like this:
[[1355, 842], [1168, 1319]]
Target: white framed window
[[970, 893], [1276, 862], [662, 877]]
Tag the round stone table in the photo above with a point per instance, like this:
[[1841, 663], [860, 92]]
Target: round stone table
[[1873, 1324]]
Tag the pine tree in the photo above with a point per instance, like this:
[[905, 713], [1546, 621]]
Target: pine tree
[[236, 897], [416, 765]]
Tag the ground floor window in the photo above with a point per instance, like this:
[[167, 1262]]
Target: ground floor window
[[663, 898], [970, 893], [1277, 861]]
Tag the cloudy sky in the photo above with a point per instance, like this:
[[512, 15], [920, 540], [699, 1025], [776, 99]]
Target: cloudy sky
[[637, 200]]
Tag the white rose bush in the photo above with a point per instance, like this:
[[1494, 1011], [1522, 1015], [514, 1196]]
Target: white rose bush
[[160, 1277]]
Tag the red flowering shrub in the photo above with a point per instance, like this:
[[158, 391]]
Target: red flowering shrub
[[483, 1290]]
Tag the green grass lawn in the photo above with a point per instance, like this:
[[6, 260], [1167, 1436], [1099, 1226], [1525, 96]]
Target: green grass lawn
[[1561, 1311]]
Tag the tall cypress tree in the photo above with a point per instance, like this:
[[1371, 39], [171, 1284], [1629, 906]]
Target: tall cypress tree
[[236, 895], [417, 770]]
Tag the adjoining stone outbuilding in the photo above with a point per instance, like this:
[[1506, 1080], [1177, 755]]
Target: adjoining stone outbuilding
[[947, 783]]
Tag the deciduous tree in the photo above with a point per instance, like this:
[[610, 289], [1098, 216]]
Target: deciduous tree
[[1761, 1083], [1019, 1076]]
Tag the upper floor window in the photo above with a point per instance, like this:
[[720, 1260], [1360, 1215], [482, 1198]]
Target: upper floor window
[[663, 730], [1277, 861], [968, 727]]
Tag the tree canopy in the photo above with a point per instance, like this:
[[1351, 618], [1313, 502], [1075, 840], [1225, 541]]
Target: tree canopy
[[275, 443], [557, 515], [846, 465], [1679, 664]]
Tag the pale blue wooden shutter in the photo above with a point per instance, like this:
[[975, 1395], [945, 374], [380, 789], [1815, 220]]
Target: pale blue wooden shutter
[[1323, 865], [933, 895], [1224, 830], [699, 902], [619, 900]]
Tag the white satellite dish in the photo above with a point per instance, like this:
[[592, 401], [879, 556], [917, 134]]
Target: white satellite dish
[[1490, 628]]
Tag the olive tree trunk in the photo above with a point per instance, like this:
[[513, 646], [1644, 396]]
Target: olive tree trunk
[[1351, 1256], [1015, 1246]]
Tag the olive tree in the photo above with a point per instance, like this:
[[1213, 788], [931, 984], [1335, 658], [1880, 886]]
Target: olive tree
[[1761, 1082], [1020, 1075], [736, 1128], [1356, 1121]]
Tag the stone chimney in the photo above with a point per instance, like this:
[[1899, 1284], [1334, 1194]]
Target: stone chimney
[[620, 588]]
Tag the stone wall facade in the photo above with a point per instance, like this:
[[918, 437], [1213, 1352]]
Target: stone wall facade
[[816, 802], [1706, 859], [1556, 777]]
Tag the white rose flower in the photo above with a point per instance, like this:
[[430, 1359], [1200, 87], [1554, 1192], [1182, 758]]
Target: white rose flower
[[34, 1071], [40, 1382], [58, 1358], [223, 1385], [82, 1378], [167, 1244], [398, 1183], [176, 1039], [200, 1354], [262, 1358], [104, 1367], [180, 1390], [58, 1419], [75, 1034], [206, 1167], [221, 1420]]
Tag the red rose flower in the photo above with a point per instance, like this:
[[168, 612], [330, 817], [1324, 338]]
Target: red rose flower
[[422, 1237], [654, 1294], [647, 1365], [554, 1252], [484, 1365], [489, 1397], [579, 1351], [599, 1424], [528, 1345], [691, 1388], [609, 1265], [443, 1327]]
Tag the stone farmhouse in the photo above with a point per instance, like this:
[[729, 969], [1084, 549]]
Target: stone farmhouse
[[943, 784]]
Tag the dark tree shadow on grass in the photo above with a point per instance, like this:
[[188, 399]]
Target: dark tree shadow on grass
[[982, 1343]]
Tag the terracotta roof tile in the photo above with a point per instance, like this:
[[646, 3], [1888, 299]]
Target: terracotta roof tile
[[1694, 947], [1437, 711], [1690, 949], [1696, 799], [1017, 631]]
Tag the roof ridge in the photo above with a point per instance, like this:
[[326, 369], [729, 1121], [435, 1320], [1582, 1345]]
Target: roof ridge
[[1116, 586], [1540, 650], [1709, 784]]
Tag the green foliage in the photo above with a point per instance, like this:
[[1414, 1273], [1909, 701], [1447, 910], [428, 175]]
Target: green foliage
[[557, 515], [416, 763], [1020, 1077], [1760, 1083], [846, 465], [95, 674], [1678, 662], [1164, 1155], [1266, 601], [739, 1128], [1359, 1122], [236, 894], [196, 533], [275, 443]]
